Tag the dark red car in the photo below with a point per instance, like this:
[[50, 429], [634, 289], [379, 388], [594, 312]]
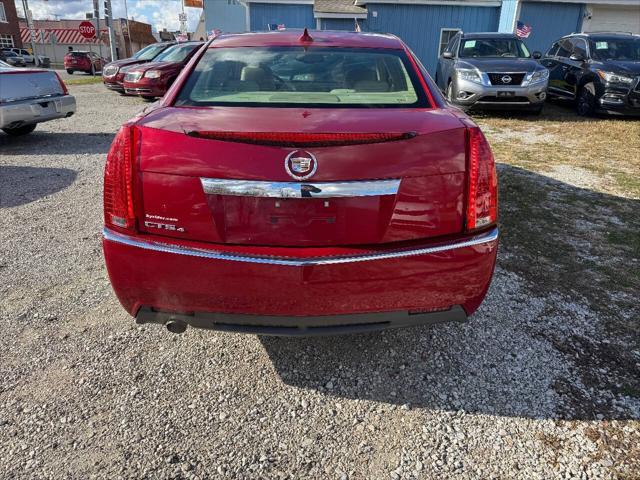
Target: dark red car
[[87, 62], [153, 79], [296, 184], [114, 72]]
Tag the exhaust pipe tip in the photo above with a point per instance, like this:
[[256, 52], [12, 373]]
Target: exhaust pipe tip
[[176, 327]]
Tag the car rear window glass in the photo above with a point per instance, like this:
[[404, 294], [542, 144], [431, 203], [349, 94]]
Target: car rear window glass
[[177, 53], [494, 47], [295, 76], [623, 49]]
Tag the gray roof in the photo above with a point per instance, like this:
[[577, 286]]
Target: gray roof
[[337, 6]]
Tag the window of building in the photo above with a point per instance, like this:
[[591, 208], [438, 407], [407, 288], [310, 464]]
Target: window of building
[[3, 14], [446, 34], [6, 41]]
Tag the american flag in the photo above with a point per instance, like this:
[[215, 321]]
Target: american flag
[[281, 26], [522, 30]]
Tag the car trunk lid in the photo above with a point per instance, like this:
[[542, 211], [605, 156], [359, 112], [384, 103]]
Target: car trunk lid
[[225, 180]]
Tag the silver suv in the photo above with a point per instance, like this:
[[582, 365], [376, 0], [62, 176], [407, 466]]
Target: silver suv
[[492, 70]]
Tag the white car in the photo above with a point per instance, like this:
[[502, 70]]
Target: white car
[[29, 97], [28, 58]]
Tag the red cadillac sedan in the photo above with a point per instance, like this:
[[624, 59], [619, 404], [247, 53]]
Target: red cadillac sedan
[[295, 184], [151, 80]]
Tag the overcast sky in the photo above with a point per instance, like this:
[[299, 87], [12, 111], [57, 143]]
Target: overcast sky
[[159, 13]]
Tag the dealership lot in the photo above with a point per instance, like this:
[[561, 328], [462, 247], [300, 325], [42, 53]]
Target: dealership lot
[[543, 382]]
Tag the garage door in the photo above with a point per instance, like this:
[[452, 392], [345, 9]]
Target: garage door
[[606, 18]]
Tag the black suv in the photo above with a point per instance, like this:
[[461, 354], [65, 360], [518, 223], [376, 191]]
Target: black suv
[[600, 71]]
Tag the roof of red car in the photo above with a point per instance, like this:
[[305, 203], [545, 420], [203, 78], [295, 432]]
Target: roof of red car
[[321, 38]]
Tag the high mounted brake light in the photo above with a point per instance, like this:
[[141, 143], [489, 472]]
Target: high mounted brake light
[[482, 188], [300, 140], [119, 179]]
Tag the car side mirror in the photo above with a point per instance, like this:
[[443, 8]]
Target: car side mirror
[[447, 55], [576, 57], [537, 55]]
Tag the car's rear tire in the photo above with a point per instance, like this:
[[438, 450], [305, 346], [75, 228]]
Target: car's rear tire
[[18, 131], [586, 101], [70, 71]]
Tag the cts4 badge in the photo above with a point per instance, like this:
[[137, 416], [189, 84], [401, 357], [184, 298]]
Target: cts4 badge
[[300, 164]]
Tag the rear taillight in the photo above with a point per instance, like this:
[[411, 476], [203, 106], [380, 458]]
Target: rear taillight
[[482, 191], [119, 177], [65, 91]]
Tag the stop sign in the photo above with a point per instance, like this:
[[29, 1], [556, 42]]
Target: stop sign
[[87, 30]]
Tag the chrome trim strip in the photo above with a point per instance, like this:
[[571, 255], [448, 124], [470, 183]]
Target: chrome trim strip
[[249, 188], [110, 235]]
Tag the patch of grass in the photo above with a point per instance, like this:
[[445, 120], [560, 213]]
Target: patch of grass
[[607, 146], [83, 81]]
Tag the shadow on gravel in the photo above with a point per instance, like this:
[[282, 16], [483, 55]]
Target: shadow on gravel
[[59, 143], [557, 337], [21, 185]]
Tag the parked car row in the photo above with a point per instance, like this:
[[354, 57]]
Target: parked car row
[[150, 72], [20, 57], [600, 72]]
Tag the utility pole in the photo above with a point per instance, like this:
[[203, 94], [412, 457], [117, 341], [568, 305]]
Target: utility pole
[[183, 19], [32, 31], [108, 18], [96, 15], [126, 14]]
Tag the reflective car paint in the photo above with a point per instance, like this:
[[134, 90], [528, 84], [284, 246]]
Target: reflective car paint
[[428, 209], [114, 82], [155, 87]]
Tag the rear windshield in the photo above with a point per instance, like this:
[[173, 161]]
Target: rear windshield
[[177, 53], [493, 47], [293, 76], [78, 54], [148, 52], [623, 49]]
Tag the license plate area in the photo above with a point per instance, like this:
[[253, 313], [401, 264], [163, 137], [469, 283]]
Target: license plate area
[[506, 93], [301, 221]]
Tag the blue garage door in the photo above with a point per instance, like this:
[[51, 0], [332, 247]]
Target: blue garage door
[[420, 25], [550, 21], [262, 15]]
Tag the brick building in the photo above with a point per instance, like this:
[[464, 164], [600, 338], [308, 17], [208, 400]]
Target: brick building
[[9, 28]]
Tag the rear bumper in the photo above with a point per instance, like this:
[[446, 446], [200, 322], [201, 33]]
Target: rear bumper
[[29, 111], [298, 326], [156, 281]]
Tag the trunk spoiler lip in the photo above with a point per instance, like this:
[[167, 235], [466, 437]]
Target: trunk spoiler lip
[[302, 140], [487, 237]]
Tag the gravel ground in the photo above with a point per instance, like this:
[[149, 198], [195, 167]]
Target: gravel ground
[[85, 393]]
